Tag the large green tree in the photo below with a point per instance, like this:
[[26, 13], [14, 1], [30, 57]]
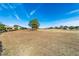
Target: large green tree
[[34, 24]]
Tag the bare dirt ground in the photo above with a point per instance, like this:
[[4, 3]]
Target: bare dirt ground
[[41, 43]]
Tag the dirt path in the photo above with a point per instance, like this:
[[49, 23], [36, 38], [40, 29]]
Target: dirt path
[[40, 43]]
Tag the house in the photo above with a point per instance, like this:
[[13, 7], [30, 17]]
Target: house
[[9, 28]]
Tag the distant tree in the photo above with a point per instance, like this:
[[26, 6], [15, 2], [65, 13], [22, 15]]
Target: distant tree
[[56, 27], [2, 27], [22, 28], [61, 27], [50, 28], [71, 27], [34, 24], [77, 27], [65, 27]]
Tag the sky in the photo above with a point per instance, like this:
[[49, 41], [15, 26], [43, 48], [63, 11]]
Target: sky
[[48, 14]]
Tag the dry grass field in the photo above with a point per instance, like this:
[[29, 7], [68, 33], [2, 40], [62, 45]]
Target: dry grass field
[[41, 43]]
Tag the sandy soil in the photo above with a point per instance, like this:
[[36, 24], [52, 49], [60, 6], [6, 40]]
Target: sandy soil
[[40, 43]]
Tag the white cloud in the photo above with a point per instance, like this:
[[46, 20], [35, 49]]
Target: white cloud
[[17, 17], [4, 6], [14, 13], [73, 11], [32, 12], [13, 6], [10, 6], [27, 16]]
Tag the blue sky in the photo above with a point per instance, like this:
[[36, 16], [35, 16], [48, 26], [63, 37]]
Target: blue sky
[[48, 14]]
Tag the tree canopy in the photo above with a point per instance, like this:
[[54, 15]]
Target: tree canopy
[[34, 24], [2, 26]]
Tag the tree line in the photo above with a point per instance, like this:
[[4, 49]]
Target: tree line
[[5, 28], [65, 27], [34, 24]]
